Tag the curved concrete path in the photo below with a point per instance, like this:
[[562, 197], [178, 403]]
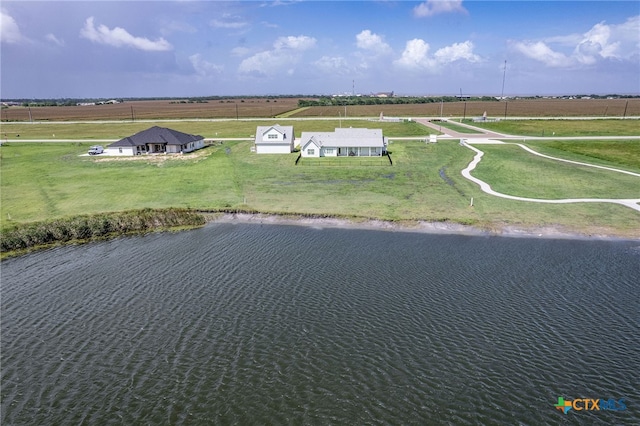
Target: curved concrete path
[[631, 203]]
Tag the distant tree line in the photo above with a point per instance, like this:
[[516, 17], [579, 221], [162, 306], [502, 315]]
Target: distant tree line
[[373, 100]]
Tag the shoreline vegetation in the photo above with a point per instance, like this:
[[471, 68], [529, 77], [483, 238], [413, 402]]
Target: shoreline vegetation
[[27, 238]]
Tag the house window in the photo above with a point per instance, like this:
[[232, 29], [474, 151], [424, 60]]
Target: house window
[[311, 151], [272, 136], [120, 150], [328, 150]]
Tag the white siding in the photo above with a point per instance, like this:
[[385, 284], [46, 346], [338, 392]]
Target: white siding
[[119, 150], [192, 146], [310, 150], [272, 148], [273, 136]]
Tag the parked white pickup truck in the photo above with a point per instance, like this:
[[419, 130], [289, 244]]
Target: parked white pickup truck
[[96, 149]]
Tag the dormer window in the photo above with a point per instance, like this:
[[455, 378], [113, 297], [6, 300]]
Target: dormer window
[[272, 136]]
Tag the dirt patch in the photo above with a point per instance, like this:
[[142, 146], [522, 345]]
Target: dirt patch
[[160, 158]]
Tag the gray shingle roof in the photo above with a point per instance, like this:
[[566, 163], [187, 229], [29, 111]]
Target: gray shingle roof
[[157, 134]]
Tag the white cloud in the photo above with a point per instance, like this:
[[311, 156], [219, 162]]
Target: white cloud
[[286, 52], [457, 52], [542, 53], [229, 25], [332, 65], [416, 55], [295, 43], [119, 37], [601, 42], [435, 7], [229, 21], [369, 41], [240, 51], [203, 67], [53, 39], [9, 30]]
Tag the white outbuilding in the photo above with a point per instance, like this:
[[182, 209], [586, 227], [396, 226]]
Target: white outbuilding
[[274, 139]]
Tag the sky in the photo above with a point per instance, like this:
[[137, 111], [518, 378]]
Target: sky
[[123, 49]]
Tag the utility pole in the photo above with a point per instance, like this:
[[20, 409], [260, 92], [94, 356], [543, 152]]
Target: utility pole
[[504, 75]]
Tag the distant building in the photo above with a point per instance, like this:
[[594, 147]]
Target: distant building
[[383, 95], [274, 139], [156, 140], [343, 142]]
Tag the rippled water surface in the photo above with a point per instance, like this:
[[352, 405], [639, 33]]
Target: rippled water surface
[[250, 324]]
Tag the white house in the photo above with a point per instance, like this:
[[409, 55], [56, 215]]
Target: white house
[[274, 139], [343, 142], [156, 140]]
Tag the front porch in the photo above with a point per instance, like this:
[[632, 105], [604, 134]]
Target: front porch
[[359, 151]]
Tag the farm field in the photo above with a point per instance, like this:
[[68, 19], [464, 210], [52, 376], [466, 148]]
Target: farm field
[[514, 108], [208, 129], [155, 109], [41, 181], [263, 107]]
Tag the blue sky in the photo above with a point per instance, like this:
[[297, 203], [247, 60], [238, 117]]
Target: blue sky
[[56, 49]]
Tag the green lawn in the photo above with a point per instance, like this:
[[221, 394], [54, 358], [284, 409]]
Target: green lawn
[[550, 128], [624, 154], [456, 127], [49, 180], [511, 170], [206, 128]]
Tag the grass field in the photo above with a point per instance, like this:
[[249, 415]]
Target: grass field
[[512, 171], [42, 181], [561, 128], [623, 154], [208, 129], [456, 127]]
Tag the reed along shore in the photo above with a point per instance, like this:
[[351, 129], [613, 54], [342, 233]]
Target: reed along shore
[[29, 236]]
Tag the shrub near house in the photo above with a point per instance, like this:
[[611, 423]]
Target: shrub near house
[[156, 140]]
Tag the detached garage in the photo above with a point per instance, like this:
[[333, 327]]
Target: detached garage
[[274, 139]]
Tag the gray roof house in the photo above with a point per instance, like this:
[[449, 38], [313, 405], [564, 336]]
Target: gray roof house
[[349, 142], [156, 140]]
